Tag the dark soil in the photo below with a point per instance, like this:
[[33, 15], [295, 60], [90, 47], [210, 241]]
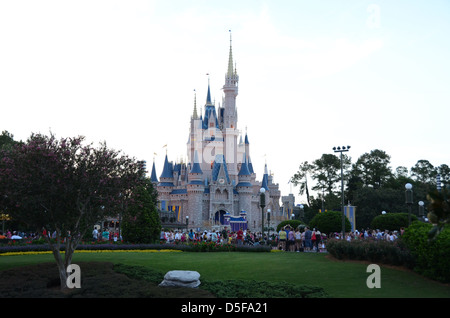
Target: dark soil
[[98, 280]]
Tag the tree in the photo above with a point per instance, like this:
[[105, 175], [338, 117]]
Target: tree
[[64, 187], [329, 222], [401, 171], [439, 211], [327, 171], [444, 172], [424, 172], [141, 223], [6, 140], [373, 169], [301, 178]]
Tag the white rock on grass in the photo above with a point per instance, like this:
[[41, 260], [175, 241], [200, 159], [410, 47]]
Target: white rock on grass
[[178, 278]]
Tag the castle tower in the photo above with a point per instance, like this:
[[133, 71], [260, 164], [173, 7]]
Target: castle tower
[[245, 187], [230, 132], [195, 189], [165, 186], [195, 134], [153, 177]]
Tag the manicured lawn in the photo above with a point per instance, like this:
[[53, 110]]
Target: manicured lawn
[[339, 279]]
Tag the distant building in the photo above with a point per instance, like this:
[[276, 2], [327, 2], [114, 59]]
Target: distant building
[[218, 181]]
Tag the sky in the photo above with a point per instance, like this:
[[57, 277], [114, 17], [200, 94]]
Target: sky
[[313, 75]]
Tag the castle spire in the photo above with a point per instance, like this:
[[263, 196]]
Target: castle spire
[[195, 115], [208, 97], [230, 60], [154, 178]]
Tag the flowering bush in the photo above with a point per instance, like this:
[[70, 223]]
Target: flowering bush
[[210, 247], [204, 246], [377, 251]]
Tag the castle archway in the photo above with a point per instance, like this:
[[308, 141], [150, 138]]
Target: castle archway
[[219, 217]]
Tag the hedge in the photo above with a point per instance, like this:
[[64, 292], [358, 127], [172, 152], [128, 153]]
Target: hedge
[[376, 251], [432, 257], [391, 221]]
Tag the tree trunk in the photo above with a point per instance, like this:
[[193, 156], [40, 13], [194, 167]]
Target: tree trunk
[[60, 262], [307, 192], [55, 247]]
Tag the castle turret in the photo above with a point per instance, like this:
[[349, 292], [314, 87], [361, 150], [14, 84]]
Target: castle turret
[[153, 177], [195, 189], [165, 186], [244, 187]]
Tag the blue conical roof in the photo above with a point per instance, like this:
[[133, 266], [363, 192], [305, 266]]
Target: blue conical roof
[[244, 168], [250, 165], [153, 176], [219, 163], [167, 170], [196, 166]]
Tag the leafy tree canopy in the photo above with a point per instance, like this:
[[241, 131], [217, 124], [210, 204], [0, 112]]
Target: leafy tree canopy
[[64, 187]]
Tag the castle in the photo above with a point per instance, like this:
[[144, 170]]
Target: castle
[[218, 180]]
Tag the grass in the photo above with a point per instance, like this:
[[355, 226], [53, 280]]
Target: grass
[[336, 278]]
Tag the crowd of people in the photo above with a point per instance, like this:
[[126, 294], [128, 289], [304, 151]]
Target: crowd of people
[[287, 239], [18, 235], [105, 235], [224, 236], [371, 234]]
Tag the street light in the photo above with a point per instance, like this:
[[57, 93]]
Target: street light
[[262, 203], [409, 200], [302, 212], [268, 224], [421, 209], [187, 222], [341, 150]]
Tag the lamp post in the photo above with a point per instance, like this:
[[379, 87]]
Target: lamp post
[[262, 203], [187, 222], [341, 150], [268, 224], [302, 212], [421, 209], [409, 200]]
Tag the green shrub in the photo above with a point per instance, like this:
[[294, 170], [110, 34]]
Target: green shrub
[[261, 289], [231, 288], [376, 251], [329, 222], [391, 221], [432, 257]]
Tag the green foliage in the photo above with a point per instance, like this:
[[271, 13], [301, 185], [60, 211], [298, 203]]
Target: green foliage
[[329, 222], [439, 214], [375, 251], [373, 168], [432, 257], [371, 185], [391, 221], [141, 223], [261, 289], [292, 223], [231, 288], [206, 246]]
